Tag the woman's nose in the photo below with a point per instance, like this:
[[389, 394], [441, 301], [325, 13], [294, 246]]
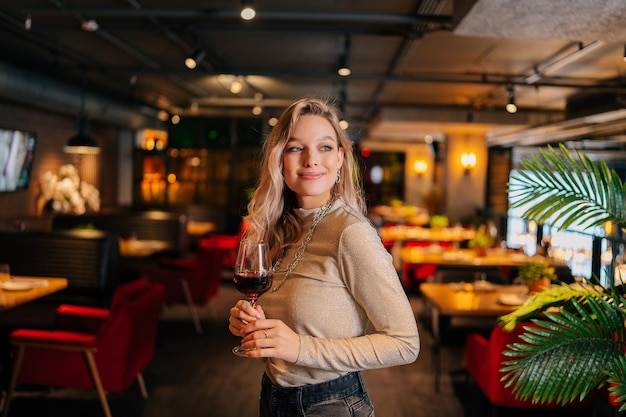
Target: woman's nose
[[310, 158]]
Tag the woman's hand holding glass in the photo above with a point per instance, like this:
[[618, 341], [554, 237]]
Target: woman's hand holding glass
[[253, 277], [263, 337]]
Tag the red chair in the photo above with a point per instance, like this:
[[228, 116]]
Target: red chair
[[189, 281], [483, 361], [414, 274], [225, 246], [105, 349]]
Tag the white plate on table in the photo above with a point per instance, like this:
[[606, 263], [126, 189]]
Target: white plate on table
[[512, 299]]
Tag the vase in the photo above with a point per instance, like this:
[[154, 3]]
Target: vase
[[539, 285], [480, 251]]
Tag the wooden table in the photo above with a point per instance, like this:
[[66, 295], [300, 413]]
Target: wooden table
[[405, 233], [136, 248], [42, 286], [467, 257], [460, 299]]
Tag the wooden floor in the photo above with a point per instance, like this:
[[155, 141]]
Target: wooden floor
[[197, 375]]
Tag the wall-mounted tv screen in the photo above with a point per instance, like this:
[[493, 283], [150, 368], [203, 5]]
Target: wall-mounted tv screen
[[17, 149]]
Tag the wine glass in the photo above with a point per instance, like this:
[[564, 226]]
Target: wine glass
[[253, 274]]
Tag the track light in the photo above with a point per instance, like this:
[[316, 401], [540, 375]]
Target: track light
[[511, 107], [194, 59], [247, 10], [624, 53], [344, 69]]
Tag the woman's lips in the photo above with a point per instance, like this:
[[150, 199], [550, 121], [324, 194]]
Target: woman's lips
[[311, 175]]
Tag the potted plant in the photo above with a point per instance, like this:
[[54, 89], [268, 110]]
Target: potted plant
[[480, 242], [581, 343], [537, 275]]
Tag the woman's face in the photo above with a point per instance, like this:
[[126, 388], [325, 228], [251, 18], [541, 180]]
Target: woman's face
[[311, 159]]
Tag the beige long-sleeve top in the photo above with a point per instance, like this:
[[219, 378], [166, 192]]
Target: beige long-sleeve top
[[345, 301]]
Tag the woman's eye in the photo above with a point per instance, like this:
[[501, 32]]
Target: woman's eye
[[294, 149], [326, 148]]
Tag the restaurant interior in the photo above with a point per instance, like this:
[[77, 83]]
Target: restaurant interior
[[130, 135]]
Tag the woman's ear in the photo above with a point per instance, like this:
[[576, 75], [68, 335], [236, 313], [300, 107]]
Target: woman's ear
[[341, 156]]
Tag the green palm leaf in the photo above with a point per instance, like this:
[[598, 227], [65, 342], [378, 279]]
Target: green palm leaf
[[567, 355], [616, 370], [552, 297], [565, 191]]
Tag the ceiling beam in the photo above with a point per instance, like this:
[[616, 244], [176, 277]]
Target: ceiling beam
[[182, 13]]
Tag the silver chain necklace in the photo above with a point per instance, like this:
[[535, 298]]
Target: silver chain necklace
[[307, 239]]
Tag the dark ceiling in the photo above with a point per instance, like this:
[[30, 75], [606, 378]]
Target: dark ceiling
[[418, 67]]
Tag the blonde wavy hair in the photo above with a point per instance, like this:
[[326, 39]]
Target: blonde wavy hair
[[271, 209]]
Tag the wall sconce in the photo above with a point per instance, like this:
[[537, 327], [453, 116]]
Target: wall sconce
[[420, 166], [468, 161]]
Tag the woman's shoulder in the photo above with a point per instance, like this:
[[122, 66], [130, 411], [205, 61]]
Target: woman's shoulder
[[349, 214]]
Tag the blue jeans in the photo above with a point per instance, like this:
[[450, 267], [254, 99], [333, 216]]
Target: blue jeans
[[344, 396]]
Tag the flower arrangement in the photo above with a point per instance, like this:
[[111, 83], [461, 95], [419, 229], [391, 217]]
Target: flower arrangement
[[66, 193]]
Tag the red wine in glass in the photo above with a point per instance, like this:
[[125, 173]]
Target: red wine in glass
[[252, 284], [253, 274]]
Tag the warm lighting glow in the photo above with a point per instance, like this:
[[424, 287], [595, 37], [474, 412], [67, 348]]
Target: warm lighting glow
[[468, 160], [194, 59], [151, 140], [511, 107], [236, 86], [175, 119], [247, 11], [343, 123], [344, 71], [420, 166], [257, 110], [272, 121], [163, 115]]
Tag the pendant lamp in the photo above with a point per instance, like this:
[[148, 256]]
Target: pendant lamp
[[82, 143]]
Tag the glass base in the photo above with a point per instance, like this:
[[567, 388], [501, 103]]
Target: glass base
[[237, 350]]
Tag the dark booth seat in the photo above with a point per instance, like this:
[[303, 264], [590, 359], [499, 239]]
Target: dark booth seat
[[88, 259], [142, 225]]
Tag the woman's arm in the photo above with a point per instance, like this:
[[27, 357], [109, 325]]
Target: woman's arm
[[369, 275]]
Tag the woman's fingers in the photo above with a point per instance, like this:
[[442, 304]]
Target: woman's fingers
[[271, 338]]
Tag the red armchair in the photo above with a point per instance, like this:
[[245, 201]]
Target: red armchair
[[192, 281], [483, 361], [92, 347]]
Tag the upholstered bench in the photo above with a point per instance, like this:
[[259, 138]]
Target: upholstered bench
[[142, 225], [87, 258]]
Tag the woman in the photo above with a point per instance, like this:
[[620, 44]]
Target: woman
[[336, 306]]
